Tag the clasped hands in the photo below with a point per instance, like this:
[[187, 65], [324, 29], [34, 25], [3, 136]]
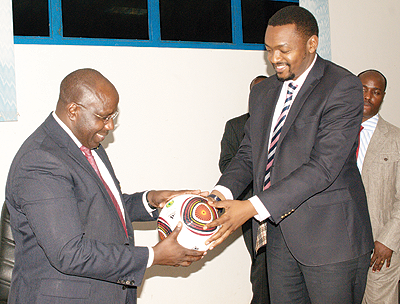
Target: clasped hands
[[170, 252]]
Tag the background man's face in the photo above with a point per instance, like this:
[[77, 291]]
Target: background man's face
[[374, 92]]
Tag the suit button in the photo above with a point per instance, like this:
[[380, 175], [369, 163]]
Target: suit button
[[123, 287]]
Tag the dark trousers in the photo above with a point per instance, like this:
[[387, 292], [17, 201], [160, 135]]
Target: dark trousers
[[259, 278], [292, 282]]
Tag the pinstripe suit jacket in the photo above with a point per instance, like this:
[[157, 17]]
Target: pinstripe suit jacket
[[71, 247], [316, 194]]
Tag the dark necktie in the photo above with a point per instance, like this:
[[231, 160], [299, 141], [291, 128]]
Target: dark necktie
[[88, 154], [262, 229]]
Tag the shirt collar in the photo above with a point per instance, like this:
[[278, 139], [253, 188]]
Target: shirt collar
[[370, 124], [299, 81], [66, 129]]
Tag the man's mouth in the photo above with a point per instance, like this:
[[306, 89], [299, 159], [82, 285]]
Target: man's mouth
[[367, 104], [101, 136], [280, 67]]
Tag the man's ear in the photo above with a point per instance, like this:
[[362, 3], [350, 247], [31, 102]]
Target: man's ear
[[72, 111], [312, 44]]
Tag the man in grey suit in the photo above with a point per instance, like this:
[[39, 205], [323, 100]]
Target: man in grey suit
[[307, 186], [70, 221], [379, 163]]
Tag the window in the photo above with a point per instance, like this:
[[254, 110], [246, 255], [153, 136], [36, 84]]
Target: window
[[255, 16], [206, 20], [113, 19], [230, 24], [31, 18]]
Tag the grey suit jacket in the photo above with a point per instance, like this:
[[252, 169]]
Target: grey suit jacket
[[316, 193], [70, 244], [381, 177]]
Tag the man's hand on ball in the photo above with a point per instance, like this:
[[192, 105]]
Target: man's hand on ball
[[158, 198], [236, 214], [169, 252]]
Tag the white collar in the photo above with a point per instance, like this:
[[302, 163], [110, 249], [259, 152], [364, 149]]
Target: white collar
[[66, 129]]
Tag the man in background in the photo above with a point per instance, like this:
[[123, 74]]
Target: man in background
[[379, 163], [71, 223], [233, 135]]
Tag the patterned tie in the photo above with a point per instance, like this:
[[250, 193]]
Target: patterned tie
[[262, 229], [88, 154]]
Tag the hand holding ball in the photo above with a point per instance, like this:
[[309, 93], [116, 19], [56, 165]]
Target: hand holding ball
[[194, 212]]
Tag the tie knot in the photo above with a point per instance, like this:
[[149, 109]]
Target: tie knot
[[86, 150]]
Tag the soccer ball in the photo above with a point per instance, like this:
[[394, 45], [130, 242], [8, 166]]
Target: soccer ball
[[194, 212]]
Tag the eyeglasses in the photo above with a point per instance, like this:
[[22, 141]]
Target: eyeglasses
[[104, 119]]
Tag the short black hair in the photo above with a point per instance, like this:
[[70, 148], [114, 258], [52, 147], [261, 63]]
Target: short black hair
[[376, 71], [305, 22]]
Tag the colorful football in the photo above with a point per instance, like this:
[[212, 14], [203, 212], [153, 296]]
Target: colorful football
[[194, 212]]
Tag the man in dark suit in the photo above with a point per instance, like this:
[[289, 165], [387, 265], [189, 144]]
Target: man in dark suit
[[233, 136], [71, 223], [300, 151]]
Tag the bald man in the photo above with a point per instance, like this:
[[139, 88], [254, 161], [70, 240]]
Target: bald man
[[70, 221]]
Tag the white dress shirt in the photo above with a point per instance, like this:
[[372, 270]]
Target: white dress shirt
[[365, 137]]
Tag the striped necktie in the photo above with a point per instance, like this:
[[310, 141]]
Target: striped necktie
[[262, 229], [88, 154]]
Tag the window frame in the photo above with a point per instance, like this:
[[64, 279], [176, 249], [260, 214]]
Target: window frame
[[56, 28]]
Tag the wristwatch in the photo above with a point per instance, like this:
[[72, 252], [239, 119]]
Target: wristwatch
[[213, 196]]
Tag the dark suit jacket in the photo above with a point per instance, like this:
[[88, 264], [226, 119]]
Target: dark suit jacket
[[70, 244], [316, 193]]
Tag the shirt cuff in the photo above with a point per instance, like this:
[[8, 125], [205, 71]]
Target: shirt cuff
[[224, 191], [262, 212], [146, 203], [151, 257]]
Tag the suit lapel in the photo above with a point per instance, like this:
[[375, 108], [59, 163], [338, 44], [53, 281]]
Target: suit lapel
[[306, 89], [101, 152], [268, 102], [376, 144]]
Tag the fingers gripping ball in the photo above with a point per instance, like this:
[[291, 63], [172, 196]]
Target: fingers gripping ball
[[194, 212]]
